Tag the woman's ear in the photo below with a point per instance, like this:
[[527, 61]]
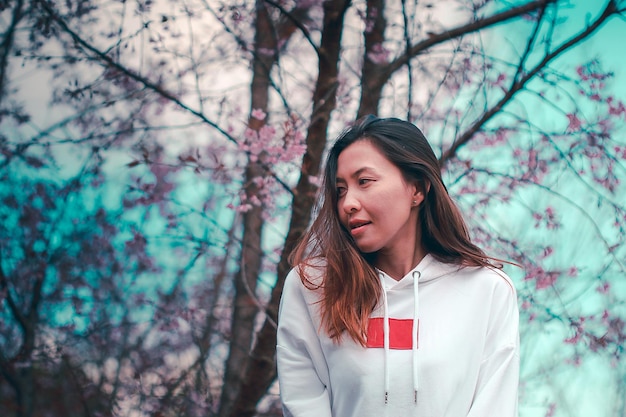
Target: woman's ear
[[421, 189]]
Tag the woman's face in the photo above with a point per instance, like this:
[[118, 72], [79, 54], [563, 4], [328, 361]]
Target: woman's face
[[374, 201]]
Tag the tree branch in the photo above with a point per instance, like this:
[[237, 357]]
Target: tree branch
[[131, 74], [7, 43], [296, 22], [519, 84], [375, 76], [466, 29]]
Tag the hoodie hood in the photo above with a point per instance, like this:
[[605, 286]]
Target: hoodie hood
[[429, 268]]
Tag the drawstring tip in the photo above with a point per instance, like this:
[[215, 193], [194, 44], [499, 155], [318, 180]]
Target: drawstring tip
[[386, 397], [415, 396]]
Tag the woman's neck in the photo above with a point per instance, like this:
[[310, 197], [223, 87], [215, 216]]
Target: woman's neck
[[398, 265]]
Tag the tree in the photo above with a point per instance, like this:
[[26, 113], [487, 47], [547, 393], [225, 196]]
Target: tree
[[152, 197]]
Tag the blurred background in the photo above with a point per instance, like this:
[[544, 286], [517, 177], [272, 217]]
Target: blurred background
[[159, 159]]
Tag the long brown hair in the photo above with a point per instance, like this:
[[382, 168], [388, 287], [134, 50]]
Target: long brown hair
[[350, 285]]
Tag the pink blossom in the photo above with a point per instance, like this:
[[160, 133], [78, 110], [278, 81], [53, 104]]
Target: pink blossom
[[537, 217], [500, 80], [258, 181], [256, 148], [254, 200], [379, 54], [243, 208], [617, 110], [267, 133], [314, 180], [545, 280], [574, 122], [251, 135], [501, 135], [547, 251], [266, 51], [259, 114], [577, 336], [603, 288], [293, 152]]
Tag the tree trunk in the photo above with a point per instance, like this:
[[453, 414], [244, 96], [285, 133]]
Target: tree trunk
[[372, 76], [261, 371], [245, 306]]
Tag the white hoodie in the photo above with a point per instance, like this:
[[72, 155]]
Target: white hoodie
[[465, 362]]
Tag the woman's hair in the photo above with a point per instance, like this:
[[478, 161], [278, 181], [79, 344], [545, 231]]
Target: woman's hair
[[350, 284]]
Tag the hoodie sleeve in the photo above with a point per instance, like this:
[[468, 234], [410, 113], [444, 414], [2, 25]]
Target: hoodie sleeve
[[302, 369], [496, 390]]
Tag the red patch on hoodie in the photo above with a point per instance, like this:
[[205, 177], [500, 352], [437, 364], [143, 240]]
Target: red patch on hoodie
[[400, 333]]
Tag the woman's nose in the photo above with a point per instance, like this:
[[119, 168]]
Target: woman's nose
[[350, 202]]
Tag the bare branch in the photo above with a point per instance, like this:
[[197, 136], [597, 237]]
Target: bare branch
[[519, 84], [7, 43], [407, 45], [291, 16], [466, 29], [131, 74]]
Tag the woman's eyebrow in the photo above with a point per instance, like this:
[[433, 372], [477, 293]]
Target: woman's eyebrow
[[357, 173], [362, 170]]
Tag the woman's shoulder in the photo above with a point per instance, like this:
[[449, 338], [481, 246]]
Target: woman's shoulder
[[304, 284], [309, 273], [490, 276]]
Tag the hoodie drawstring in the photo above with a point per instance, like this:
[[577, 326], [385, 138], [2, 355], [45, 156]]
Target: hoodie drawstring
[[415, 331], [415, 335], [386, 342]]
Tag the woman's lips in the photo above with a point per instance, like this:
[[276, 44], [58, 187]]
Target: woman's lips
[[356, 228]]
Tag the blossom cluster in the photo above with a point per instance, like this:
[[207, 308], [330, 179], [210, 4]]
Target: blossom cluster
[[269, 146], [272, 146]]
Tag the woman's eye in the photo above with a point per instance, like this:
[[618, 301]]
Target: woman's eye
[[341, 191], [363, 181]]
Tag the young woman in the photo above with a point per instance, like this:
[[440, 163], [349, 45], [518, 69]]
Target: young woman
[[391, 310]]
